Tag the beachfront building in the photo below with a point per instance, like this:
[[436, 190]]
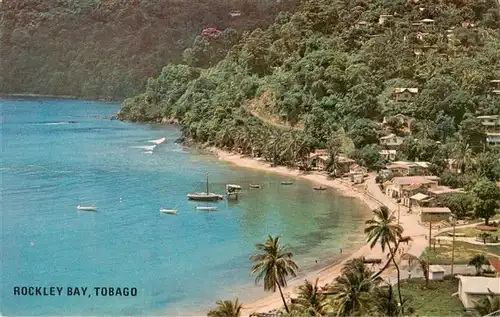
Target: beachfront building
[[317, 159], [404, 94], [402, 188], [491, 126], [434, 214], [473, 288]]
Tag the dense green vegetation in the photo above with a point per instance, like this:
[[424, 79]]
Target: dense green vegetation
[[318, 78], [108, 48]]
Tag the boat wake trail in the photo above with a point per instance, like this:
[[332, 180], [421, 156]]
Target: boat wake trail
[[60, 122], [145, 147], [158, 141]]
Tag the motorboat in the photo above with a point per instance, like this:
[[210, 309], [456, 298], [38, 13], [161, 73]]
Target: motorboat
[[86, 208], [254, 186], [206, 208], [205, 196], [286, 183], [319, 188], [168, 211], [232, 191]]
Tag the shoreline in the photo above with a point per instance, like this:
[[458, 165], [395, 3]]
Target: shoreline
[[49, 96], [328, 273]]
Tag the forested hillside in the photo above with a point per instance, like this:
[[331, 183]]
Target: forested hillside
[[108, 48], [331, 70]]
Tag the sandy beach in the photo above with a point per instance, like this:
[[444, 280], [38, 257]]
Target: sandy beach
[[370, 195]]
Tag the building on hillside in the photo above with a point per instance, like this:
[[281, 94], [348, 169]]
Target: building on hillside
[[434, 214], [384, 18], [422, 35], [235, 13], [404, 94], [391, 141], [495, 85], [362, 24], [473, 288], [388, 155], [491, 126]]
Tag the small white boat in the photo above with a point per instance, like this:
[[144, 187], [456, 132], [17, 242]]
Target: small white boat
[[206, 208], [287, 183], [168, 211], [86, 208]]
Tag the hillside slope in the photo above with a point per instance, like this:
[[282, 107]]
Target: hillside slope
[[107, 48], [335, 66]]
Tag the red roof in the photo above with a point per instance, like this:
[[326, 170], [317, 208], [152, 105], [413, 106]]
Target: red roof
[[495, 264]]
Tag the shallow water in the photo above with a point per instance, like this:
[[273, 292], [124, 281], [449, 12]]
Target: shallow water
[[57, 154]]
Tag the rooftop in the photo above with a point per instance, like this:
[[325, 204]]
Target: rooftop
[[436, 268], [419, 197], [480, 284], [410, 180], [495, 264], [387, 152], [400, 90], [436, 210], [445, 190]]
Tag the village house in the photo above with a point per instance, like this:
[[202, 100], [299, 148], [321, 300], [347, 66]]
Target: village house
[[491, 126], [384, 17], [402, 188], [434, 214], [391, 141], [317, 159], [495, 266], [436, 272], [438, 191], [404, 94], [388, 155], [420, 200], [473, 288], [495, 85], [403, 168]]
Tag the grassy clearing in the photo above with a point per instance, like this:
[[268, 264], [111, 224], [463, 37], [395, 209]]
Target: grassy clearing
[[463, 252], [434, 301], [471, 232]]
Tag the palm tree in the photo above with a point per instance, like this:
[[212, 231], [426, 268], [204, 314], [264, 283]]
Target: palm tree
[[274, 265], [462, 154], [384, 302], [226, 308], [478, 261], [311, 301], [488, 305], [351, 290], [383, 229]]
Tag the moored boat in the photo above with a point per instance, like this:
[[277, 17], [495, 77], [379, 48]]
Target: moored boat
[[286, 183], [86, 208], [206, 208], [254, 186], [319, 188], [205, 196], [168, 211]]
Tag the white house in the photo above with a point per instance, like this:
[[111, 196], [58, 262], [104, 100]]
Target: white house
[[472, 288], [391, 140], [436, 272]]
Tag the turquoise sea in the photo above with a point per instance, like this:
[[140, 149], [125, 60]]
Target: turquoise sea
[[57, 154]]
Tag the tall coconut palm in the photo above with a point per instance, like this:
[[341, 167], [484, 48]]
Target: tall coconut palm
[[351, 290], [384, 230], [310, 301], [488, 305], [274, 265], [226, 308]]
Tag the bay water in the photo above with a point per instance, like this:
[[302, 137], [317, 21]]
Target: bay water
[[57, 154]]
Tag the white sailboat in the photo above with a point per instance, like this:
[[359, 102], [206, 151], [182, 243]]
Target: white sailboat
[[205, 196], [168, 211], [86, 208]]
